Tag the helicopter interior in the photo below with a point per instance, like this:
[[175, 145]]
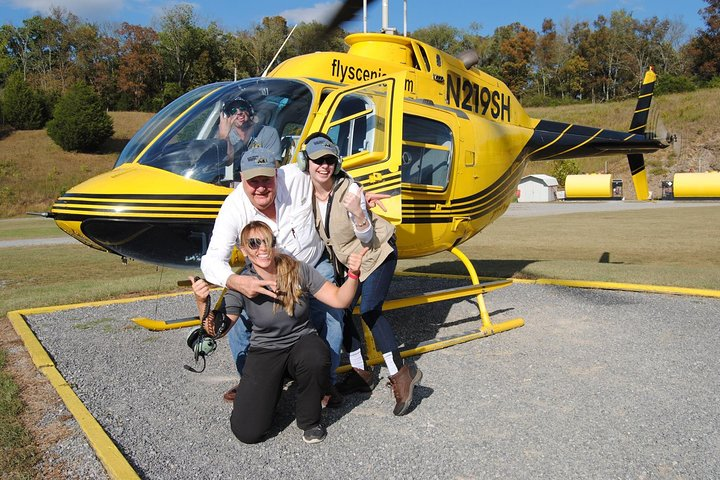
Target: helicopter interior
[[358, 125], [187, 142]]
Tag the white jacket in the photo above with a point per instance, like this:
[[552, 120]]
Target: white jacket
[[294, 230]]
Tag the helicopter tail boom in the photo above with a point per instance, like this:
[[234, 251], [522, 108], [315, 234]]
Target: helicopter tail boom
[[557, 141]]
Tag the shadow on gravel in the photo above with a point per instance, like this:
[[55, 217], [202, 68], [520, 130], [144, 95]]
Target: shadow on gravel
[[285, 410], [484, 268]]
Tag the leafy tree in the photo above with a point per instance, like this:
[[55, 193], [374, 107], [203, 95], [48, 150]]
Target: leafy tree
[[547, 55], [18, 41], [308, 38], [140, 63], [235, 55], [441, 36], [705, 48], [22, 106], [180, 42], [6, 61], [264, 42], [97, 59], [80, 121], [516, 46], [674, 84], [210, 66], [562, 168]]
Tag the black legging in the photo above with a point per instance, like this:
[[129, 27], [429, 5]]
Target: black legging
[[307, 362]]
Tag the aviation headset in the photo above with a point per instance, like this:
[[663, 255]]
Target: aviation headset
[[318, 145], [201, 342], [240, 104]]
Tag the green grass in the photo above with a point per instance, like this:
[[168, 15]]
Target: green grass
[[66, 274], [18, 455], [663, 246], [29, 227]]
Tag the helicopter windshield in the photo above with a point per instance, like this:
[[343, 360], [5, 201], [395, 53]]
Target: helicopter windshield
[[187, 137], [161, 120]]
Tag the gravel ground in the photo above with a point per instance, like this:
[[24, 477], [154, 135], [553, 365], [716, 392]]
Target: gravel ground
[[597, 384]]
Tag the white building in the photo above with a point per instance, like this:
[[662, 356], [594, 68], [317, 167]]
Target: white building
[[538, 188]]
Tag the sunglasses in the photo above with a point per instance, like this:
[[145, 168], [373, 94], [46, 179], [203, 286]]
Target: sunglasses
[[235, 110], [325, 160], [255, 243]]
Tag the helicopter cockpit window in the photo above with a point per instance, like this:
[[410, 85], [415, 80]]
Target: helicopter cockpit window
[[354, 122], [276, 109], [427, 151], [160, 121]]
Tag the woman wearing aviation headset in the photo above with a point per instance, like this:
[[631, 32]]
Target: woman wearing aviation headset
[[283, 340], [346, 225]]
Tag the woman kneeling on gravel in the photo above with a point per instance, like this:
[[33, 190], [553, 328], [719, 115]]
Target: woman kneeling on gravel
[[283, 341]]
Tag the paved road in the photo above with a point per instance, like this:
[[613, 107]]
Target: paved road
[[557, 208], [596, 385]]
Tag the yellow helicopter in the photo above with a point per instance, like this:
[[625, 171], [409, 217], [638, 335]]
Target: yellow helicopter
[[445, 140]]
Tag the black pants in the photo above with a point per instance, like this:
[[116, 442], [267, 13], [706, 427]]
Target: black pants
[[307, 362]]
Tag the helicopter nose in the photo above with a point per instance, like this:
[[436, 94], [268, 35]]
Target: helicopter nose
[[167, 221]]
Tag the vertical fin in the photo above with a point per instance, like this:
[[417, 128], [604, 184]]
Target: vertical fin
[[637, 126]]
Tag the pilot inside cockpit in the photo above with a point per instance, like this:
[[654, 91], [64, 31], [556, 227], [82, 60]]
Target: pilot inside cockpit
[[238, 126]]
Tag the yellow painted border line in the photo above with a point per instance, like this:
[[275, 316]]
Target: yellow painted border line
[[115, 463], [631, 287]]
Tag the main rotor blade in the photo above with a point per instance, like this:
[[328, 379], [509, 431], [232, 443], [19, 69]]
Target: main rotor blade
[[346, 13]]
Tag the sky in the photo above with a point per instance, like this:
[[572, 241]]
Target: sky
[[233, 15]]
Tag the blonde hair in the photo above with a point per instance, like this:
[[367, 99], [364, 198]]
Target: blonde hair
[[287, 269]]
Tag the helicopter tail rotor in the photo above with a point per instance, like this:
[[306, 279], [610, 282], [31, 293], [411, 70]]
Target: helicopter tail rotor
[[660, 131]]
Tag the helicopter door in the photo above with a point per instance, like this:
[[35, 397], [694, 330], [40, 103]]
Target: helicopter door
[[365, 121]]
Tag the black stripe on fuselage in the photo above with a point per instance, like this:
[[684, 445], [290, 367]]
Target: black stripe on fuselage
[[145, 196]]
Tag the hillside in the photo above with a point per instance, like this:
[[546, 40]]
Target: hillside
[[34, 171], [692, 116]]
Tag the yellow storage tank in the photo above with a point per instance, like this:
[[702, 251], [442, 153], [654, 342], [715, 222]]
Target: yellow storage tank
[[595, 186], [696, 185]]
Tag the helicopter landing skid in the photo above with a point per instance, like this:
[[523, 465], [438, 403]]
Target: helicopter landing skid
[[157, 325], [487, 328]]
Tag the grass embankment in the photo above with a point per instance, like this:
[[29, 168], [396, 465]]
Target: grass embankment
[[34, 171]]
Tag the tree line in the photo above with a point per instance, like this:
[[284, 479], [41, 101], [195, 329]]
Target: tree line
[[134, 67]]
